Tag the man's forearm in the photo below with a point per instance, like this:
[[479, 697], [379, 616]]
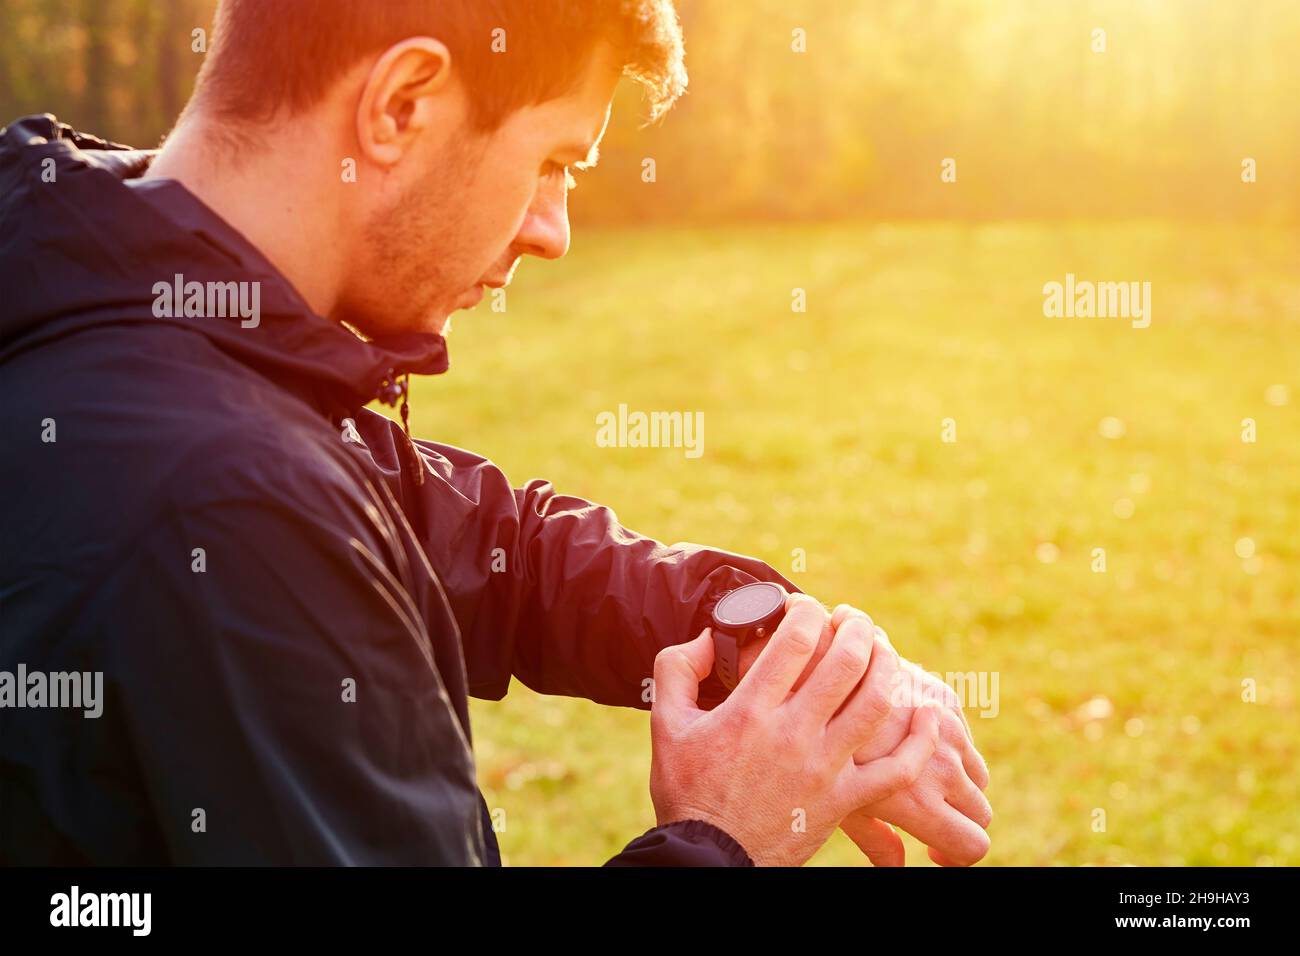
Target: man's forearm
[[548, 588]]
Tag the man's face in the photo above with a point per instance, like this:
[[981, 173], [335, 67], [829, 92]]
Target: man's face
[[471, 207]]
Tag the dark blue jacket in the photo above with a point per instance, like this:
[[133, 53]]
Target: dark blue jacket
[[289, 601]]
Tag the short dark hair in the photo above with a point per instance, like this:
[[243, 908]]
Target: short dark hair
[[268, 56]]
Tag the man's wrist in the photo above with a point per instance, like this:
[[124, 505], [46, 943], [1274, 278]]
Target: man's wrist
[[713, 691]]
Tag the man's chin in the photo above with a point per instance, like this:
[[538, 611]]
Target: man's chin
[[470, 298], [436, 321], [433, 325]]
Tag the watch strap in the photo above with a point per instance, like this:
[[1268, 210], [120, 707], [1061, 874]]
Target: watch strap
[[726, 658]]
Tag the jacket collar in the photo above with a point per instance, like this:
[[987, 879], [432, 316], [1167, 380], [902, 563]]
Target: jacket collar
[[97, 248]]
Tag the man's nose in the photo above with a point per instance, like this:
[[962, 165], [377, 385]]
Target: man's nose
[[545, 232]]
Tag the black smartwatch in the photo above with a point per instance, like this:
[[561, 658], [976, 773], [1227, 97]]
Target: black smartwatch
[[750, 612]]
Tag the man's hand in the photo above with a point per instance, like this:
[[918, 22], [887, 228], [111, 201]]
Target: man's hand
[[773, 766], [945, 807]]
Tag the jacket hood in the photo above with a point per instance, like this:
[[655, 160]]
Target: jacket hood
[[79, 248]]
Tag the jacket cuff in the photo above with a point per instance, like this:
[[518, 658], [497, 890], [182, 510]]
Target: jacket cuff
[[683, 843]]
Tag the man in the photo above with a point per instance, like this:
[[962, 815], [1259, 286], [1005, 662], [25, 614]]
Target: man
[[288, 598]]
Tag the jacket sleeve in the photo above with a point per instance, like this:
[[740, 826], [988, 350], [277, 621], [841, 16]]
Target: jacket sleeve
[[279, 680], [550, 588], [684, 843]]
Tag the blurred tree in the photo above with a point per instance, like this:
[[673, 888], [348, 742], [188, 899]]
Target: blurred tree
[[173, 75], [853, 121], [97, 21]]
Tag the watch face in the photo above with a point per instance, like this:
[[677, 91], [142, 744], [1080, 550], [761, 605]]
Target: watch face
[[749, 604]]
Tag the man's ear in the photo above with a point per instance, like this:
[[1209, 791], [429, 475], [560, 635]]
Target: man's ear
[[400, 96]]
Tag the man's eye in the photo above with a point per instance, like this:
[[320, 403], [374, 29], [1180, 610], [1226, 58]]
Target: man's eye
[[555, 170]]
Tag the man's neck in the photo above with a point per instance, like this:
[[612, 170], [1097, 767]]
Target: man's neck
[[273, 198]]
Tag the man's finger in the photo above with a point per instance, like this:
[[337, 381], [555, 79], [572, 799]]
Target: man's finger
[[951, 834], [749, 654], [976, 768], [678, 672], [785, 656], [870, 705], [938, 857], [971, 759], [967, 798], [844, 610], [885, 776], [835, 677], [876, 838]]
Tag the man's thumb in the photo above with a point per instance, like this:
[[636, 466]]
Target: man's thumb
[[679, 670]]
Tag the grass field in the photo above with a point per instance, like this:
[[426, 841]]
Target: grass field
[[1120, 690]]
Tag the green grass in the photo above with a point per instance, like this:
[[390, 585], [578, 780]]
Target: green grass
[[823, 433]]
